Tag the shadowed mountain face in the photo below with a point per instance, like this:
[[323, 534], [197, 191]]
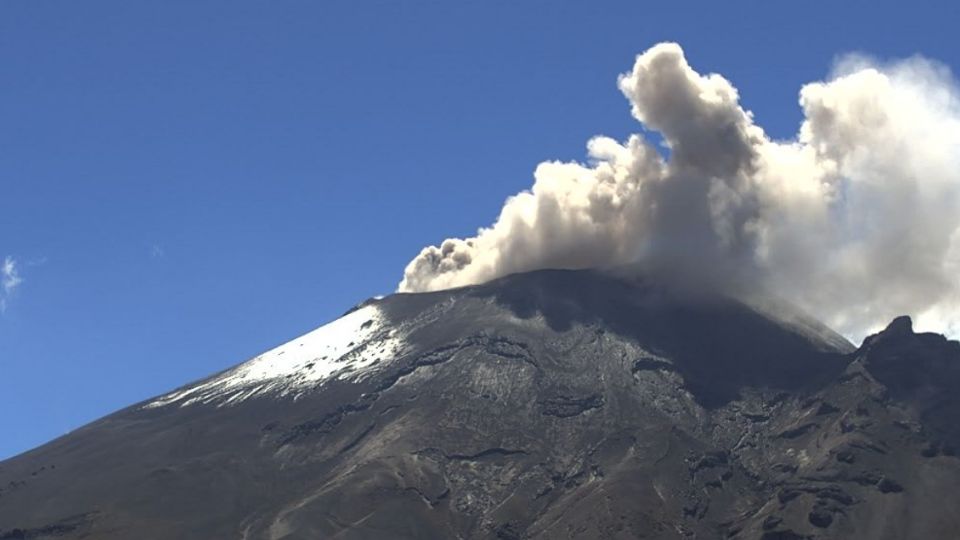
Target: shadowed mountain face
[[553, 404]]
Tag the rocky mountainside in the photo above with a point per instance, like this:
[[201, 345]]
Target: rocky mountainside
[[553, 404]]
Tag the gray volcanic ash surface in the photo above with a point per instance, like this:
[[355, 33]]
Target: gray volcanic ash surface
[[552, 404]]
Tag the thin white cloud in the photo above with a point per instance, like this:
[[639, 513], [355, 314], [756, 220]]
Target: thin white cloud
[[856, 219], [10, 280]]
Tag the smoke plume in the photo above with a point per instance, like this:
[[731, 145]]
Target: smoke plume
[[856, 219]]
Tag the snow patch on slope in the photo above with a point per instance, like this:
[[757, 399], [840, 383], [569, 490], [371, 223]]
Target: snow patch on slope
[[350, 347]]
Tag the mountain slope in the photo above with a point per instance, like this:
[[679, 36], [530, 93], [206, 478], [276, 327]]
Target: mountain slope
[[553, 404]]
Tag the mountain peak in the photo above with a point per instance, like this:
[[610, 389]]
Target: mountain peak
[[551, 404], [900, 326]]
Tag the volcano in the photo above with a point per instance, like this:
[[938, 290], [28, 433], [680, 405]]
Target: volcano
[[551, 404]]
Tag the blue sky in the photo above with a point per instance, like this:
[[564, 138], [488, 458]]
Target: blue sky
[[186, 184]]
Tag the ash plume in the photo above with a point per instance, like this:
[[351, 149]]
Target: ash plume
[[855, 219]]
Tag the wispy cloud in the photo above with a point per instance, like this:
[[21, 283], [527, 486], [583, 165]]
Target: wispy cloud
[[9, 281], [157, 252]]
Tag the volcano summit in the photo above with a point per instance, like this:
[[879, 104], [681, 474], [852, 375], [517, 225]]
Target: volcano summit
[[550, 404]]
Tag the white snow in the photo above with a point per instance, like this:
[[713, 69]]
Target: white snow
[[348, 348]]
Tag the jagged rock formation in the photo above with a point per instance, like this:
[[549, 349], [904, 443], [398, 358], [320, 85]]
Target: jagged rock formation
[[554, 404]]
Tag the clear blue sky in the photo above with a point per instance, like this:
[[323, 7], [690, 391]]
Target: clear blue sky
[[184, 184]]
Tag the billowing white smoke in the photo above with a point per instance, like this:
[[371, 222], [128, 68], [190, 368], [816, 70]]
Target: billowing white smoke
[[856, 220]]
